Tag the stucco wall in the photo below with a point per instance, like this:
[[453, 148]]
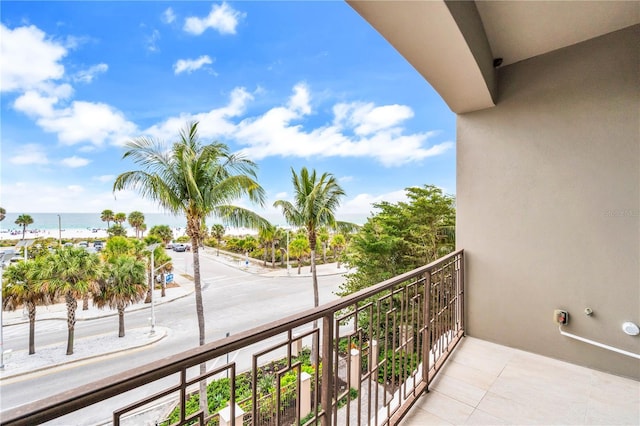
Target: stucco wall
[[548, 199]]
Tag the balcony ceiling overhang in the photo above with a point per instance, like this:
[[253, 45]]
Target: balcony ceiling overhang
[[452, 44]]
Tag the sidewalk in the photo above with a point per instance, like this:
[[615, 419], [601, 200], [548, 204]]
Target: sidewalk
[[19, 362]]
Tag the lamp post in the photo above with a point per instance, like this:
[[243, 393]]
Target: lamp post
[[152, 248], [59, 231], [3, 257]]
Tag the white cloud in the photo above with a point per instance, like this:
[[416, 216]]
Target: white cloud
[[190, 65], [96, 123], [152, 41], [75, 162], [30, 154], [213, 124], [222, 18], [345, 178], [105, 178], [366, 118], [87, 76], [29, 58], [276, 133], [364, 202], [168, 16], [71, 198]]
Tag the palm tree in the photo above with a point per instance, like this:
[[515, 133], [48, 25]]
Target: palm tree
[[72, 272], [266, 237], [107, 216], [196, 180], [22, 286], [299, 248], [24, 220], [120, 218], [323, 236], [337, 243], [163, 232], [3, 213], [315, 202], [123, 283], [217, 232], [136, 220], [278, 235]]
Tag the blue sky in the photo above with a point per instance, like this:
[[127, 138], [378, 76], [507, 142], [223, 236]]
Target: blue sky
[[289, 84]]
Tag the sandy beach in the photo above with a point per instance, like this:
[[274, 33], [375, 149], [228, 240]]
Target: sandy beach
[[92, 234]]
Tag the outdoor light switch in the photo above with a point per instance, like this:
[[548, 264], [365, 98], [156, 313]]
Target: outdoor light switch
[[561, 317]]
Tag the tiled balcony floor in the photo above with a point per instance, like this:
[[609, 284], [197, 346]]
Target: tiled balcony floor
[[488, 384]]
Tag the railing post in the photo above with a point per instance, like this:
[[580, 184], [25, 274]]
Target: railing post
[[461, 293], [426, 339], [327, 368]]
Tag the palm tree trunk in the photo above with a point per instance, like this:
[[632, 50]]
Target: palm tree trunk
[[164, 285], [31, 307], [299, 264], [85, 302], [316, 302], [72, 305], [120, 320], [273, 254], [200, 314]]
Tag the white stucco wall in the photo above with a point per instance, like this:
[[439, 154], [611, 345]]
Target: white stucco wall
[[548, 198]]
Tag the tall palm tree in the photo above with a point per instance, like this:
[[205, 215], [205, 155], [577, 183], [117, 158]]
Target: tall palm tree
[[196, 180], [123, 284], [120, 218], [24, 220], [164, 232], [217, 232], [136, 220], [299, 248], [315, 202], [338, 243], [71, 272], [3, 213], [266, 237], [107, 216], [23, 286]]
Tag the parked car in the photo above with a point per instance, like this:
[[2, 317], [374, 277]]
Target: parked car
[[98, 245], [179, 247], [84, 244]]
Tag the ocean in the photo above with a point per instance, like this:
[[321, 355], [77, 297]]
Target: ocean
[[49, 221]]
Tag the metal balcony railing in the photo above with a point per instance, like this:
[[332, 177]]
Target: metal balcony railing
[[372, 354]]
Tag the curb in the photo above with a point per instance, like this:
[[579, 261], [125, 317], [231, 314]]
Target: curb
[[88, 357]]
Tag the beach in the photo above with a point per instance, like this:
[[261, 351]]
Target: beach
[[96, 233]]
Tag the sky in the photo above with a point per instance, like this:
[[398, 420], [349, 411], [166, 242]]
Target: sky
[[287, 84]]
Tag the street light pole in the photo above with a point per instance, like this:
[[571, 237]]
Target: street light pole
[[152, 248]]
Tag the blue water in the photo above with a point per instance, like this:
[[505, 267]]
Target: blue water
[[49, 221]]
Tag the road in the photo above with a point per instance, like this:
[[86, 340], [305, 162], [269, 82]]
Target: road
[[233, 300]]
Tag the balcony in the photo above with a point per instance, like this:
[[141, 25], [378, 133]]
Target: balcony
[[378, 352]]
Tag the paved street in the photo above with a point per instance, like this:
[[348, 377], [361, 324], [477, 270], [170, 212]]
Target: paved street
[[235, 297]]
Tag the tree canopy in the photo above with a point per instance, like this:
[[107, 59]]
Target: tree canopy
[[401, 236]]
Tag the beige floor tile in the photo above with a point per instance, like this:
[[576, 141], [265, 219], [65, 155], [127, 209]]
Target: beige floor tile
[[510, 411], [470, 375], [484, 356], [445, 407], [458, 390], [420, 417], [479, 417]]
